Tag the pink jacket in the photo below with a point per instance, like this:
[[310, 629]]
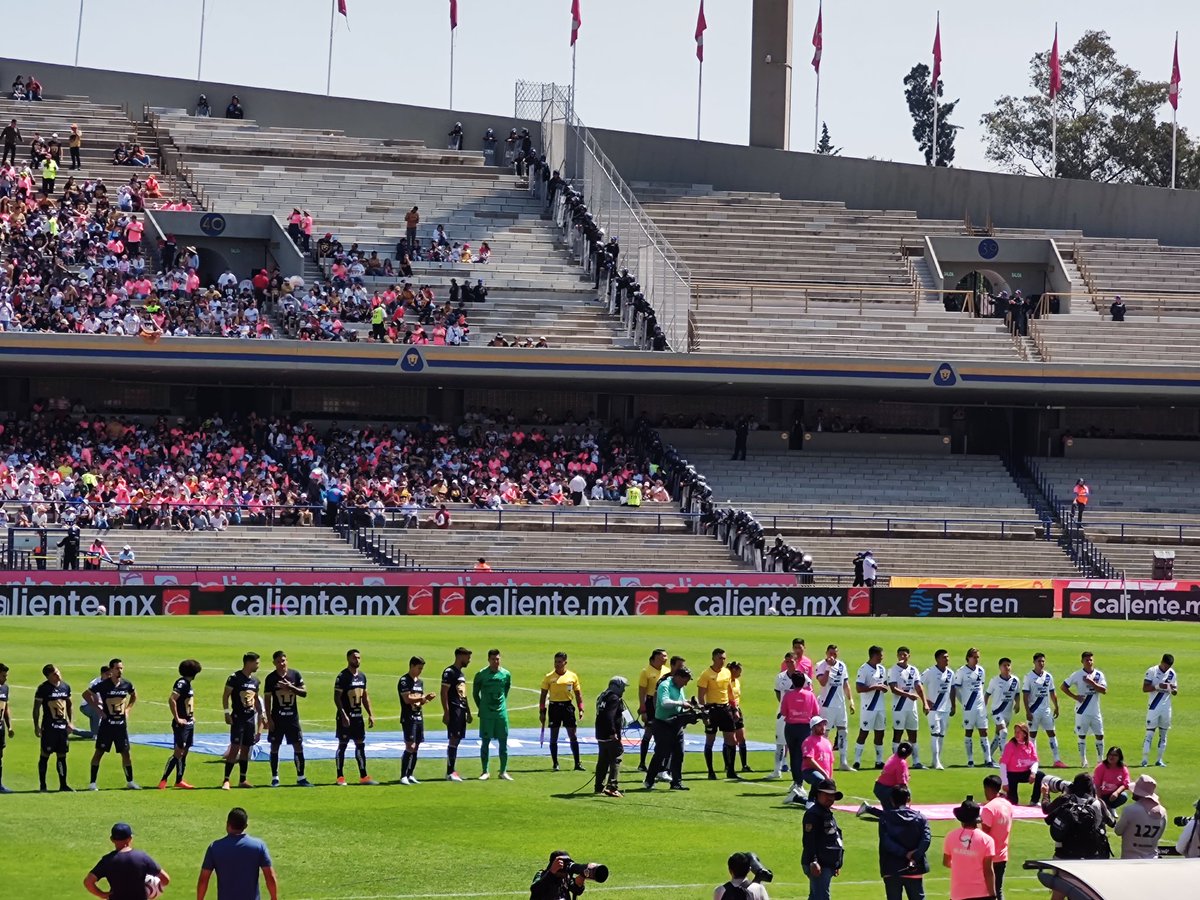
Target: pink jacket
[[1019, 757]]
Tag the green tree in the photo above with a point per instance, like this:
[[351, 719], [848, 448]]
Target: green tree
[[918, 91], [825, 145], [1108, 128]]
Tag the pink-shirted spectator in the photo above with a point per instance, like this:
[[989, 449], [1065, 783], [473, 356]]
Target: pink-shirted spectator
[[969, 853], [1112, 778], [997, 818], [798, 707], [1019, 764], [894, 774]]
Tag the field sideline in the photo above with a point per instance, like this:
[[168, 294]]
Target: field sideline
[[487, 839]]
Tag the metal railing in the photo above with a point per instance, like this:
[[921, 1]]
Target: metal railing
[[1083, 551], [904, 525], [171, 158]]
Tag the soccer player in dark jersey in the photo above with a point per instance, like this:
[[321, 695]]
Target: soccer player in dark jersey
[[245, 717], [6, 729], [456, 711], [351, 699], [113, 697], [183, 723], [282, 687], [412, 716], [52, 722]]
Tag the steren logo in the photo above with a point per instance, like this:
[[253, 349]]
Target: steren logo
[[520, 602], [748, 602], [279, 601], [23, 601], [956, 604]]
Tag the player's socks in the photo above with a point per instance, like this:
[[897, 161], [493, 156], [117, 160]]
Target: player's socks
[[986, 747], [916, 754], [451, 758], [95, 771], [879, 754], [275, 763], [1082, 744], [61, 767], [1146, 746], [858, 753], [485, 751], [554, 745], [708, 761], [299, 756], [129, 772], [742, 755], [170, 768], [43, 762], [229, 763], [360, 757], [645, 747], [182, 764], [574, 747], [970, 745], [243, 768], [780, 754], [404, 764], [729, 754], [1162, 746], [340, 759], [503, 754], [844, 746], [1099, 749], [1054, 749]]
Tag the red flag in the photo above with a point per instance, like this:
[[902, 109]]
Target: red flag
[[1173, 90], [937, 54], [1055, 68], [576, 21], [701, 26], [453, 14], [818, 42], [342, 8]]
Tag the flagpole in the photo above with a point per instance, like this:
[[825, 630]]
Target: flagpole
[[1174, 113], [937, 63], [200, 55], [817, 115], [329, 69], [699, 97], [79, 34], [452, 68], [1054, 137], [572, 84]]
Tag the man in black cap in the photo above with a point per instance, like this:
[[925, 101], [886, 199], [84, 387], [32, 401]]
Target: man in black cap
[[610, 721], [824, 851], [969, 853], [669, 723], [126, 869]]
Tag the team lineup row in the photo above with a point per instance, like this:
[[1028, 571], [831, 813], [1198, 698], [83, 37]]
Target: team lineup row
[[897, 695]]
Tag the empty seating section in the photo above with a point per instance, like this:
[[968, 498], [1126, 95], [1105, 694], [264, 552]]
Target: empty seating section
[[1129, 487], [1136, 342], [1136, 560], [1153, 279]]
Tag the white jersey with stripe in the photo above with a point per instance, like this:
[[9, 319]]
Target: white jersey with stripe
[[1090, 704], [906, 678], [1160, 698], [1001, 693], [831, 694], [870, 676], [938, 684], [969, 684]]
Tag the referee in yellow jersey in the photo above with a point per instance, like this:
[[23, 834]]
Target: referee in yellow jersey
[[648, 681], [560, 686], [713, 691]]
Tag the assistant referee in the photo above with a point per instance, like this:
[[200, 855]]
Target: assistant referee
[[561, 686]]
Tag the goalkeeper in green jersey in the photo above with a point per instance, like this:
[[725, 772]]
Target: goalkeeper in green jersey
[[490, 691]]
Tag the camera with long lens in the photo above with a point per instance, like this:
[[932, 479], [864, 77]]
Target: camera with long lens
[[1052, 784], [1182, 821], [761, 873], [591, 871], [691, 715]]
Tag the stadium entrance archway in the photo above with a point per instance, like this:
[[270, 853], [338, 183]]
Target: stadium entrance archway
[[981, 283]]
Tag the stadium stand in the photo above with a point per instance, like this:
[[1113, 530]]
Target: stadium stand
[[1154, 279]]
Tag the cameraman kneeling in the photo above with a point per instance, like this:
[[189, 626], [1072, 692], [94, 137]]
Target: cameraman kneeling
[[739, 886], [563, 879]]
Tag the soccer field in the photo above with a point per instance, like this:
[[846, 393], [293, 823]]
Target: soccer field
[[486, 839]]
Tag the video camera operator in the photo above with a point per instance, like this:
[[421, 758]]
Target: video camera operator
[[1078, 820], [673, 712], [563, 878], [740, 886], [1189, 842], [610, 722]]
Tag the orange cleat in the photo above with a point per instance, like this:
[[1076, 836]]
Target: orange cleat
[[341, 781], [183, 785], [162, 785]]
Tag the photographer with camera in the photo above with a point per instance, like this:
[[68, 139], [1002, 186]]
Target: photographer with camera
[[563, 878], [904, 840], [1078, 820], [1189, 842], [672, 713], [740, 886]]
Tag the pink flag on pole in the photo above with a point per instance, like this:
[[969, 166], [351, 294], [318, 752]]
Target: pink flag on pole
[[342, 8], [576, 21], [453, 14], [1055, 68], [701, 27], [1173, 90], [818, 42], [937, 54]]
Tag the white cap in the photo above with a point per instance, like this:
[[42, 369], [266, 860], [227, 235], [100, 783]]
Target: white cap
[[817, 720]]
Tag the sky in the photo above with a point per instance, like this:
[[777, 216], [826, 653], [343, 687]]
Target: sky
[[636, 65]]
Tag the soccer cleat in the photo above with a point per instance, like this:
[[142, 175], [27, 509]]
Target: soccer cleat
[[245, 784], [368, 780], [65, 789], [505, 776], [647, 785], [412, 779], [918, 765], [786, 767], [612, 792], [579, 767], [162, 785], [341, 781], [989, 764], [1059, 764], [92, 787], [184, 786], [772, 776], [712, 776], [862, 810], [747, 769], [453, 776], [878, 765], [641, 767], [970, 764], [1161, 764], [274, 781], [132, 786], [404, 781], [225, 785], [680, 787], [1144, 763], [845, 767], [938, 765], [484, 777], [857, 766], [555, 768], [663, 776]]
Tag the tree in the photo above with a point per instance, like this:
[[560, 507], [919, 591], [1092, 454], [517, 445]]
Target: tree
[[825, 145], [1108, 128], [918, 91]]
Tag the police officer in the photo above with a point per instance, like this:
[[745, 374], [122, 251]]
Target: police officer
[[70, 548], [824, 851]]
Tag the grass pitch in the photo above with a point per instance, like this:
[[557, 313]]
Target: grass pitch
[[486, 839]]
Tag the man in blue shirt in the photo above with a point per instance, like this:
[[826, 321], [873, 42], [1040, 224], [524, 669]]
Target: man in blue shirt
[[237, 859]]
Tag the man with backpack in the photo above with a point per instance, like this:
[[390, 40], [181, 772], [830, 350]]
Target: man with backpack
[[904, 840], [740, 886], [1078, 821]]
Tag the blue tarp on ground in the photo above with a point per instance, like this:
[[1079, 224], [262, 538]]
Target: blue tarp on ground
[[390, 744]]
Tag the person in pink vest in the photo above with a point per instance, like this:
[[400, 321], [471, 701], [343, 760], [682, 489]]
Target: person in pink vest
[[1019, 764]]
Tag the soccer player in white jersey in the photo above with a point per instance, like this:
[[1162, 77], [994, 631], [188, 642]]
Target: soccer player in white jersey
[[1085, 686], [833, 693], [1161, 684], [1003, 702], [1041, 705], [783, 684], [969, 681], [871, 682], [937, 682], [904, 680]]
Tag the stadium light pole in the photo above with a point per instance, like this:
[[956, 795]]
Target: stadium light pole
[[79, 34]]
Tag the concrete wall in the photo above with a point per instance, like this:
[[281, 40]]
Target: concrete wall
[[366, 118], [1012, 201], [244, 242]]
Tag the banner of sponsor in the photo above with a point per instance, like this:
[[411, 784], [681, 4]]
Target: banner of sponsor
[[31, 577], [1109, 600], [974, 584], [90, 600], [1008, 603]]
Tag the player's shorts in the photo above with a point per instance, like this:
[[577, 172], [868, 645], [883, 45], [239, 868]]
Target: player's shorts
[[1001, 721], [182, 735], [906, 719], [720, 718], [561, 714], [836, 716], [1155, 718], [54, 739], [414, 730], [356, 731], [976, 717], [244, 734], [493, 728], [286, 730], [1089, 722], [1041, 719], [456, 727], [112, 737], [648, 707], [938, 722], [873, 719]]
